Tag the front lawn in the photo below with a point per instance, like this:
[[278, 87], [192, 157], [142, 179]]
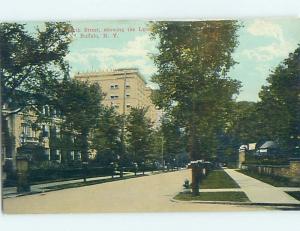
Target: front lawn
[[213, 196], [218, 179], [276, 181]]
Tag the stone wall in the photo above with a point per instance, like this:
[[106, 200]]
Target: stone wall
[[294, 170], [291, 171]]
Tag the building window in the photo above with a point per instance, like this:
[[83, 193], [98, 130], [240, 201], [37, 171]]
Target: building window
[[33, 130], [114, 86], [25, 129], [114, 97], [127, 95], [127, 85], [128, 105]]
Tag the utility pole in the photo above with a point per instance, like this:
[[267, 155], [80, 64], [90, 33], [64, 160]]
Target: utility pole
[[123, 126]]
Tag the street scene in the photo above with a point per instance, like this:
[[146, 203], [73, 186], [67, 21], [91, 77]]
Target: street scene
[[150, 116]]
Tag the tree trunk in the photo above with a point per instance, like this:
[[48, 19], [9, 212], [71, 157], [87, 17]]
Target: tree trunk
[[84, 147], [193, 156], [195, 180]]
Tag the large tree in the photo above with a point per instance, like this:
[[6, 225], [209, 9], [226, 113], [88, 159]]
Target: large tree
[[242, 128], [80, 106], [193, 61], [168, 143], [139, 131], [30, 62], [280, 104], [172, 140], [106, 137]]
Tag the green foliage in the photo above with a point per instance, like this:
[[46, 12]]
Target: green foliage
[[61, 173], [168, 143], [280, 104], [174, 145], [32, 63], [193, 61], [276, 117], [218, 179], [241, 128], [138, 134], [244, 125], [80, 106], [156, 146], [295, 194], [214, 196], [35, 153], [106, 137]]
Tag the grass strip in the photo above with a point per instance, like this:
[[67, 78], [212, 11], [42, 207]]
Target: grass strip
[[213, 196], [218, 179], [295, 194]]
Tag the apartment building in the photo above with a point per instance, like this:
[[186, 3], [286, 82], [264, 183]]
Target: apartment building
[[21, 133], [123, 89]]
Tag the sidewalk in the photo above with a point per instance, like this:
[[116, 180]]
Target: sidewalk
[[39, 188], [260, 192]]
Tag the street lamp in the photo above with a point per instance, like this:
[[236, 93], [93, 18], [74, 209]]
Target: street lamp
[[22, 167]]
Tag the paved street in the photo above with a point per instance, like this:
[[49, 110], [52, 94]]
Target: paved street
[[260, 192], [142, 194]]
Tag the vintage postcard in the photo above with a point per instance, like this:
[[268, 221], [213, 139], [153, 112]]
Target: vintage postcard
[[150, 116]]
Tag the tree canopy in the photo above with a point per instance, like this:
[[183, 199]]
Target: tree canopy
[[193, 61], [106, 137], [279, 108], [80, 107], [139, 131], [31, 62]]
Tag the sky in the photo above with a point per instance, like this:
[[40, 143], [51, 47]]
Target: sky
[[106, 45]]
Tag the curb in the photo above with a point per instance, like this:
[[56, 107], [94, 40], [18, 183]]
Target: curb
[[237, 203]]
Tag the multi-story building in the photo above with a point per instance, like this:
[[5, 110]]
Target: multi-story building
[[21, 133], [123, 89]]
